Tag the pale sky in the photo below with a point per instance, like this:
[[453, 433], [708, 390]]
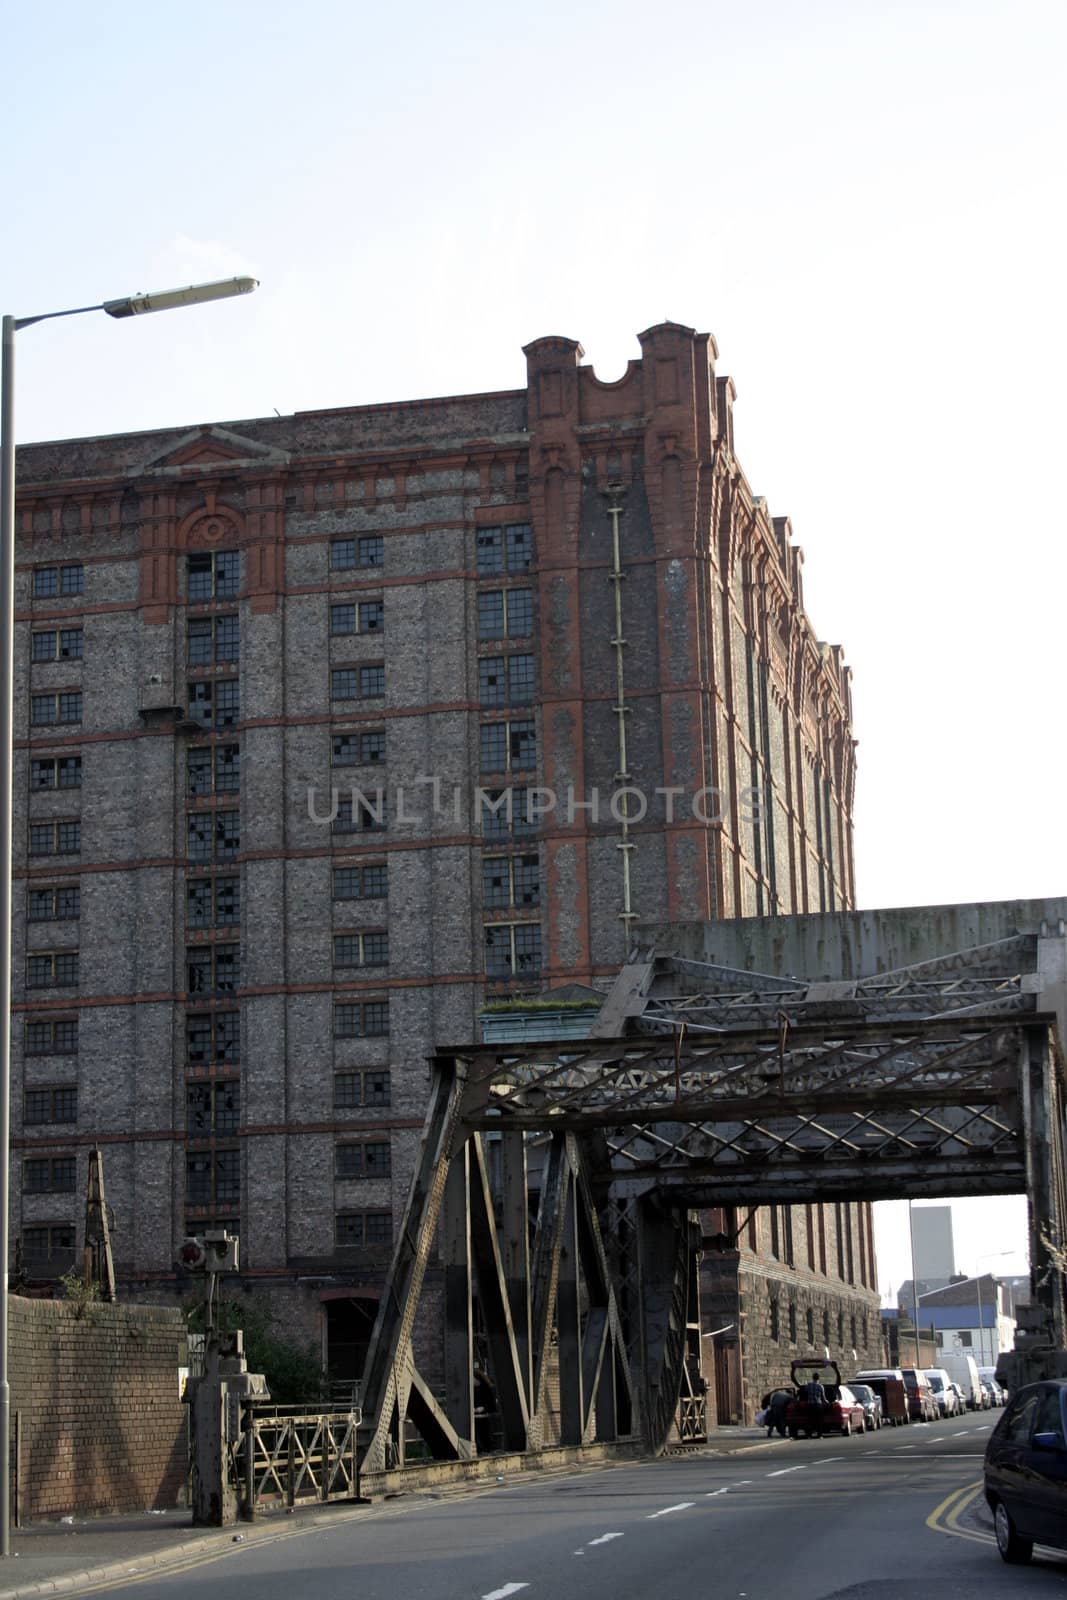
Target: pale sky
[[863, 202]]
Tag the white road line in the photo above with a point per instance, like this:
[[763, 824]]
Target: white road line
[[713, 1492], [823, 1459], [907, 1447], [502, 1594], [604, 1538], [783, 1470], [741, 1481], [683, 1505]]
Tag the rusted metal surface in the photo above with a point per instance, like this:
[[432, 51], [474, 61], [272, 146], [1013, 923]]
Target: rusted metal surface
[[573, 1252]]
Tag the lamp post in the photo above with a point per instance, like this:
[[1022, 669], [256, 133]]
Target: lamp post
[[129, 306]]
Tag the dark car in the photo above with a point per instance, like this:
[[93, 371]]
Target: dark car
[[871, 1403], [1026, 1471]]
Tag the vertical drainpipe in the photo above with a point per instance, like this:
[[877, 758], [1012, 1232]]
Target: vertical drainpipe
[[622, 710]]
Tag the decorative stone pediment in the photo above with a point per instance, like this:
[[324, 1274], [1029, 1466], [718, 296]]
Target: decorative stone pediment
[[210, 449]]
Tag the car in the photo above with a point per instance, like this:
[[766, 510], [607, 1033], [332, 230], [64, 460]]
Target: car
[[993, 1390], [988, 1375], [943, 1389], [961, 1403], [888, 1384], [922, 1407], [837, 1412], [1026, 1471], [871, 1403]]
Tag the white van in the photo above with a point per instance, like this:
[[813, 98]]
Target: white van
[[963, 1370]]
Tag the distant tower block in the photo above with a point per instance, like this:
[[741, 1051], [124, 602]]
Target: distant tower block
[[935, 1261]]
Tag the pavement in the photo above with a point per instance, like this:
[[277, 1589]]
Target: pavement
[[58, 1557]]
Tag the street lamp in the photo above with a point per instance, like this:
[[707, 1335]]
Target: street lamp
[[130, 306]]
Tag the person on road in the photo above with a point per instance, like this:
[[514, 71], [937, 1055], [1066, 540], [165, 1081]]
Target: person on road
[[777, 1405], [814, 1393]]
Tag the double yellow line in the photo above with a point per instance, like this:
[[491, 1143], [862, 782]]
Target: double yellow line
[[945, 1517]]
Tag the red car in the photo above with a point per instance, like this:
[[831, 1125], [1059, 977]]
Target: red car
[[837, 1412]]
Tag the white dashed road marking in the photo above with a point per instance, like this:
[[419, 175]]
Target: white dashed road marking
[[783, 1470], [684, 1505], [713, 1492], [502, 1594], [604, 1537]]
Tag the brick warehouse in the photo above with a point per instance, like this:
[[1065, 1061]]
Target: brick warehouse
[[551, 653]]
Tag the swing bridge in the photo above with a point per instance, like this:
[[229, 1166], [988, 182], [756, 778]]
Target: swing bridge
[[548, 1252]]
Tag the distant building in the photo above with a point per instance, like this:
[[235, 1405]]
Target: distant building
[[974, 1316], [931, 1244]]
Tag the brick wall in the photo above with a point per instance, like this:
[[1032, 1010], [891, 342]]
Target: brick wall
[[103, 1428]]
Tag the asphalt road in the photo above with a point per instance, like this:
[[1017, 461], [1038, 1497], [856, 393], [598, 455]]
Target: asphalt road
[[884, 1516]]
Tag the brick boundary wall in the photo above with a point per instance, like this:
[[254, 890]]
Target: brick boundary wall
[[102, 1426]]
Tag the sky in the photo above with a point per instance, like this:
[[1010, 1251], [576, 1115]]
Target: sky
[[863, 202]]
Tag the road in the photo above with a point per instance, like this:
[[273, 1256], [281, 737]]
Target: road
[[866, 1518]]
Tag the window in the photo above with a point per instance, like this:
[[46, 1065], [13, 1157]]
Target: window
[[215, 576], [361, 883], [48, 1244], [213, 969], [1049, 1418], [52, 969], [512, 949], [366, 551], [212, 902], [58, 644], [507, 549], [365, 1160], [64, 707], [49, 1175], [505, 813], [212, 1108], [212, 639], [368, 616], [505, 613], [51, 1038], [359, 749], [56, 1105], [511, 881], [213, 769], [809, 1326], [361, 950], [213, 835], [358, 1228], [852, 1331], [55, 838], [366, 1019], [213, 1177], [1021, 1420], [361, 813], [354, 1089], [964, 1336], [508, 746], [792, 1322], [53, 905], [213, 1039], [50, 581], [215, 702], [56, 772], [776, 1327], [505, 680]]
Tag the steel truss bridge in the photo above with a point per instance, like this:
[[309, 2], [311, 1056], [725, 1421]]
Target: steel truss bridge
[[555, 1182]]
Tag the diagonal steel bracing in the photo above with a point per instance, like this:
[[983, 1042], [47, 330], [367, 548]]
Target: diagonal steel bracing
[[557, 1180]]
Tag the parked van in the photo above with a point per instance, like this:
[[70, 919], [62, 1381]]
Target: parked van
[[922, 1403], [962, 1369]]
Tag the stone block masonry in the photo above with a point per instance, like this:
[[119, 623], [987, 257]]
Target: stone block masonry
[[103, 1428]]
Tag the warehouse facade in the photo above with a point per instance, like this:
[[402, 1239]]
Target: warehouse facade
[[331, 726]]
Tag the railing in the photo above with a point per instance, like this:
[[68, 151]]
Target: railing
[[692, 1419], [285, 1455]]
